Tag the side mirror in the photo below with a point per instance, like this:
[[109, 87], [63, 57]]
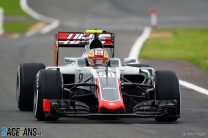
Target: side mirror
[[69, 60], [129, 61]]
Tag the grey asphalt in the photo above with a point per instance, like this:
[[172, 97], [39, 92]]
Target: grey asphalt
[[126, 19]]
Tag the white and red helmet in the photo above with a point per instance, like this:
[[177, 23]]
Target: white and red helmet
[[98, 57]]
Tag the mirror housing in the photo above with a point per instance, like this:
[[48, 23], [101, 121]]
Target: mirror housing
[[70, 60], [130, 61]]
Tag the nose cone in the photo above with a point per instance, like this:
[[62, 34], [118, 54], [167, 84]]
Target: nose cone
[[111, 107]]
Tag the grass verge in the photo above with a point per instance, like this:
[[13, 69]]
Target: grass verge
[[182, 44], [12, 7], [17, 27], [16, 20]]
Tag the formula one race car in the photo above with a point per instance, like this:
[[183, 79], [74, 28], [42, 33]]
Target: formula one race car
[[96, 84]]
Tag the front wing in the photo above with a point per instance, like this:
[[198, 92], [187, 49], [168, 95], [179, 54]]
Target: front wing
[[67, 108]]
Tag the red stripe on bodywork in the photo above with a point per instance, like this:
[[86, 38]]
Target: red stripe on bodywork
[[120, 91], [98, 89], [109, 105]]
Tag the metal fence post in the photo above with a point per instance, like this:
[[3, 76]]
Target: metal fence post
[[153, 18]]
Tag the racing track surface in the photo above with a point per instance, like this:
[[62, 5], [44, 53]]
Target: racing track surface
[[127, 21]]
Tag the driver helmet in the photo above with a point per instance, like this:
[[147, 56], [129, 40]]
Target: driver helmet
[[98, 57]]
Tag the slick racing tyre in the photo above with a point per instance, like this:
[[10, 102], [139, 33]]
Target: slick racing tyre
[[48, 86], [167, 88], [26, 76]]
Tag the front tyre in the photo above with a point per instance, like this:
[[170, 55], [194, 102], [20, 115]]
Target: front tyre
[[26, 76], [167, 88], [48, 86]]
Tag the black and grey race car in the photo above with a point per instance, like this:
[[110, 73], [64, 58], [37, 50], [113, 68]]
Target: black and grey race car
[[96, 84]]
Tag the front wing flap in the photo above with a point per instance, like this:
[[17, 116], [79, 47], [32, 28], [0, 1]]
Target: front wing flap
[[152, 108]]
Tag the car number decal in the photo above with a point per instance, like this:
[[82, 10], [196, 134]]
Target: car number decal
[[104, 74]]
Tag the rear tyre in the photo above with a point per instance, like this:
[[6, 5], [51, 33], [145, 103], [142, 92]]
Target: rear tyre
[[167, 88], [25, 84], [48, 86]]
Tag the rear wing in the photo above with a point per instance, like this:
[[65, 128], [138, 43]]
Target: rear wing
[[80, 40]]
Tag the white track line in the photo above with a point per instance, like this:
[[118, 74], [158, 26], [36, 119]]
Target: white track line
[[53, 23], [136, 48], [193, 87]]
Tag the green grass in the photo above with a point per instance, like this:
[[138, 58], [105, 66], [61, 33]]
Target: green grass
[[12, 7], [183, 44], [17, 27]]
